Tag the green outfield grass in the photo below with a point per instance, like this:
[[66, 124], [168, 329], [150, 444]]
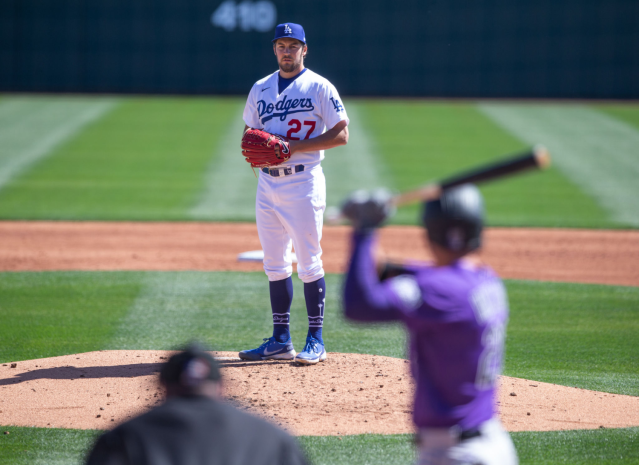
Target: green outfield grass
[[627, 113], [572, 334], [48, 314], [423, 142], [29, 446], [156, 158], [144, 160]]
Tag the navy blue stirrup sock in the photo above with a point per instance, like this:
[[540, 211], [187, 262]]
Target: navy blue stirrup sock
[[315, 295], [281, 298]]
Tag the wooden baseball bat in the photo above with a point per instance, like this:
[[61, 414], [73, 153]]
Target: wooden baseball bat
[[537, 157]]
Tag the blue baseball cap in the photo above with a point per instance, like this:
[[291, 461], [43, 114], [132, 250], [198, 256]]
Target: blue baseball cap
[[291, 31]]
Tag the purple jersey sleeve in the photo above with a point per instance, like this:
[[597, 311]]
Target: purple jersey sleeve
[[364, 299], [455, 316]]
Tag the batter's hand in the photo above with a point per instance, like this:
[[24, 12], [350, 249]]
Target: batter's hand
[[261, 148], [368, 209]]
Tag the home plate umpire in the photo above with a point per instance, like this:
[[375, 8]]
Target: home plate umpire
[[194, 426]]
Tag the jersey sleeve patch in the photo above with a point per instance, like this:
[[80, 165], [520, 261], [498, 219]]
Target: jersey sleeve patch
[[407, 290], [336, 104], [333, 110]]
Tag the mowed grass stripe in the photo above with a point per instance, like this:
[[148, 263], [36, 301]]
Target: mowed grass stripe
[[231, 311], [31, 128], [628, 113], [144, 160], [356, 165], [230, 183], [45, 314], [231, 186], [597, 152], [175, 307], [572, 334], [425, 141], [27, 446], [159, 158]]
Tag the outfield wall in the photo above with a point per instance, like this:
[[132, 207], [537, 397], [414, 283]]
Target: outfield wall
[[443, 48]]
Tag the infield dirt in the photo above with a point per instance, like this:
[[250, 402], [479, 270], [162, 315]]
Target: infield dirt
[[571, 255]]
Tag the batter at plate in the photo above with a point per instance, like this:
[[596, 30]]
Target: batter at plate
[[307, 111], [455, 310]]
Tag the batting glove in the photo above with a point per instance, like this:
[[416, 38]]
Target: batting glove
[[367, 210]]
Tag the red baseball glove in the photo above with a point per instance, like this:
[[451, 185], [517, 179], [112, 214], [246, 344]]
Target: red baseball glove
[[262, 148]]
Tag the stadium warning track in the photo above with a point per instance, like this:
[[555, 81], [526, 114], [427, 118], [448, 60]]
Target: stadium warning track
[[568, 255]]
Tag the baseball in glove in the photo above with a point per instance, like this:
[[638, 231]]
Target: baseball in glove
[[261, 148]]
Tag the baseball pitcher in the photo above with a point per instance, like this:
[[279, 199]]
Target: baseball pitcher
[[291, 117], [455, 311]]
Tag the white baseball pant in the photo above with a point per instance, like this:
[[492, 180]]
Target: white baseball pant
[[441, 446], [289, 212]]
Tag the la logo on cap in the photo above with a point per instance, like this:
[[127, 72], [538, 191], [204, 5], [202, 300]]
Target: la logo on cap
[[287, 29]]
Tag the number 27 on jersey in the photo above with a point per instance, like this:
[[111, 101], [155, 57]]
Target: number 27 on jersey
[[296, 126]]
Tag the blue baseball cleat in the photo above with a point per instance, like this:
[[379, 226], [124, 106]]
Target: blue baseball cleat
[[313, 352], [270, 349]]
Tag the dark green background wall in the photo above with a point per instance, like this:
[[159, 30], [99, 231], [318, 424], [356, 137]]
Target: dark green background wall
[[454, 48]]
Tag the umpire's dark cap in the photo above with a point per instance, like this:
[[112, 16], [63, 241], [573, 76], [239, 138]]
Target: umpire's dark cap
[[455, 221], [190, 368]]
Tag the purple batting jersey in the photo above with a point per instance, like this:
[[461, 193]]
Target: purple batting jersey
[[456, 318]]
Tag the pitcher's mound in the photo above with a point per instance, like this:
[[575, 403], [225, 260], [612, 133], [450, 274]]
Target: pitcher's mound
[[346, 394]]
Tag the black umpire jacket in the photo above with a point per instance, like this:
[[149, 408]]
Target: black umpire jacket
[[196, 431]]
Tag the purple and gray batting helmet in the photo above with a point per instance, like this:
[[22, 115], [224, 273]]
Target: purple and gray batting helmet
[[455, 221]]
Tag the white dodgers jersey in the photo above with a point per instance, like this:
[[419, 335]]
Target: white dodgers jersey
[[305, 109]]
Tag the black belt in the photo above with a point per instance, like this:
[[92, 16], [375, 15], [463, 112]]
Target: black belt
[[469, 434], [275, 172], [461, 435]]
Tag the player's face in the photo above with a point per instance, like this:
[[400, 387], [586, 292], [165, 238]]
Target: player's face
[[290, 54]]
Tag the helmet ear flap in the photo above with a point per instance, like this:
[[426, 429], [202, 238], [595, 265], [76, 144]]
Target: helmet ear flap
[[455, 239]]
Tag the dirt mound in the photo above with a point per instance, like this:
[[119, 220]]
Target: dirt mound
[[347, 394]]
